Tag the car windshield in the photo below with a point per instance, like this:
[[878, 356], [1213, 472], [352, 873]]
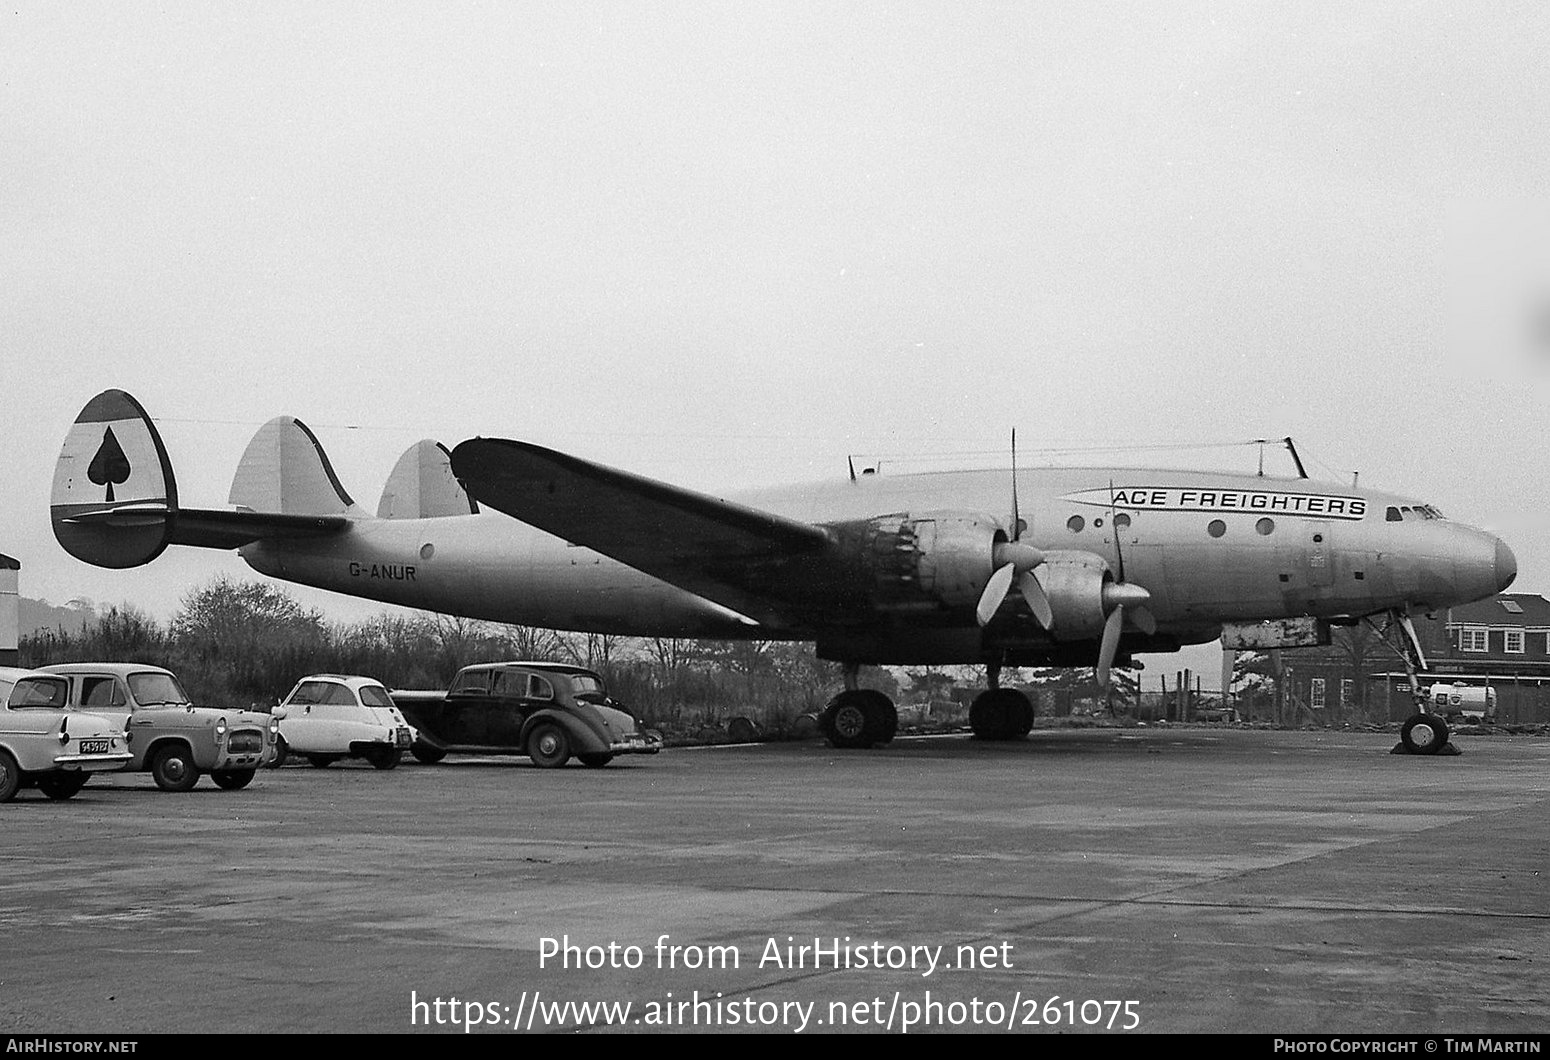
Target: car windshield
[[157, 690], [40, 692]]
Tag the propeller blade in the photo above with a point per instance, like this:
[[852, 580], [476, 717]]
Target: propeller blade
[[1142, 619], [1038, 600], [995, 592], [1109, 647], [1017, 520]]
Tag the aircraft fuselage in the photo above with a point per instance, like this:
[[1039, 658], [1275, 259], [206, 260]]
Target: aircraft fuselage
[[1208, 547]]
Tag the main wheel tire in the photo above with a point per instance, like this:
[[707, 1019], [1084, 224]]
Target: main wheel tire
[[173, 769], [859, 718], [548, 745], [282, 752], [596, 760], [424, 752], [232, 779], [1423, 734], [384, 757], [322, 761], [10, 777], [63, 785], [1000, 714]]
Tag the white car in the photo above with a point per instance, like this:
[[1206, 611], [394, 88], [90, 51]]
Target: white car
[[332, 716], [45, 744]]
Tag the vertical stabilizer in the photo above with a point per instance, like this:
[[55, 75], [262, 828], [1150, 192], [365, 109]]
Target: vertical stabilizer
[[422, 486], [284, 471], [114, 496]]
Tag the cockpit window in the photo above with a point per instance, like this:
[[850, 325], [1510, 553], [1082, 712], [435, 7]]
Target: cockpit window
[[1417, 511]]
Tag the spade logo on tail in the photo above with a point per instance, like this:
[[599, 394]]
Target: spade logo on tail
[[110, 466]]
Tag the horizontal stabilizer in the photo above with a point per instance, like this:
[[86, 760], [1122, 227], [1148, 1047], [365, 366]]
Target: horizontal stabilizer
[[422, 486], [115, 502]]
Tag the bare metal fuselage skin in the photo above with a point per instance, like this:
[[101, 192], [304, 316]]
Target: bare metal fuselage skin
[[1278, 548]]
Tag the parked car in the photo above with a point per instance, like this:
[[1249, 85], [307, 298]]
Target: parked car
[[174, 740], [46, 745], [332, 716], [546, 711]]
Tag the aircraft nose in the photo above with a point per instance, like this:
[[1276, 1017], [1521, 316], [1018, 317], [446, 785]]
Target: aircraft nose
[[1506, 566]]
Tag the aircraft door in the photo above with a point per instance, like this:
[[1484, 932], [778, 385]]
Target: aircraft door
[[1320, 556]]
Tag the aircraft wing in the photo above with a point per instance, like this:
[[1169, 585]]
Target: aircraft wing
[[725, 552]]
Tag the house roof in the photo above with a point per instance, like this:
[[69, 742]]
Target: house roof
[[1503, 610]]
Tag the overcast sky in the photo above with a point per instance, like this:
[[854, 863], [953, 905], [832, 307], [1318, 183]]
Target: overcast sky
[[728, 244]]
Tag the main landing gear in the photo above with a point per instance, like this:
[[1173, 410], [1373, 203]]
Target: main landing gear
[[1000, 713], [864, 717], [858, 717]]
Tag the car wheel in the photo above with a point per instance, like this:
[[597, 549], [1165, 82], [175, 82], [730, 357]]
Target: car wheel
[[232, 779], [597, 760], [322, 761], [1423, 734], [384, 757], [282, 751], [548, 745], [10, 777], [424, 752], [173, 769], [63, 786]]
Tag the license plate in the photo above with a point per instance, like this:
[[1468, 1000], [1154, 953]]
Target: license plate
[[402, 737], [95, 747]]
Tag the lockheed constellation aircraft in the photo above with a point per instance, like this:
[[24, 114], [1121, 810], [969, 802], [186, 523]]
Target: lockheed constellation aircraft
[[1063, 567]]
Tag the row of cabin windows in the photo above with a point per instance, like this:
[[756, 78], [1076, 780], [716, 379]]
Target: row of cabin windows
[[1216, 527], [1514, 641]]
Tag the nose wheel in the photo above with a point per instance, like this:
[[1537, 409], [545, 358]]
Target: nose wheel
[[1424, 734]]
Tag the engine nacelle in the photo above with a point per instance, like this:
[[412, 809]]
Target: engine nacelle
[[1074, 583], [922, 560]]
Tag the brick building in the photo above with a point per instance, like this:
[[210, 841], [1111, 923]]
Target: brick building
[[1502, 643]]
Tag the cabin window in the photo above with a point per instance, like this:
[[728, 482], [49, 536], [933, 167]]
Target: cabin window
[[1392, 515], [1075, 524], [539, 688], [1216, 528], [1265, 527], [1121, 521], [1472, 639], [1514, 641]]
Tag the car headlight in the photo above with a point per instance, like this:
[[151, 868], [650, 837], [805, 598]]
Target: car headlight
[[220, 729], [274, 727]]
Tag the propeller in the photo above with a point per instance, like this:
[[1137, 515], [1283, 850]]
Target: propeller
[[1120, 599], [1014, 560]]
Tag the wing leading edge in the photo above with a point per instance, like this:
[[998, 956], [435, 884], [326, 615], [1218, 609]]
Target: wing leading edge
[[725, 552]]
